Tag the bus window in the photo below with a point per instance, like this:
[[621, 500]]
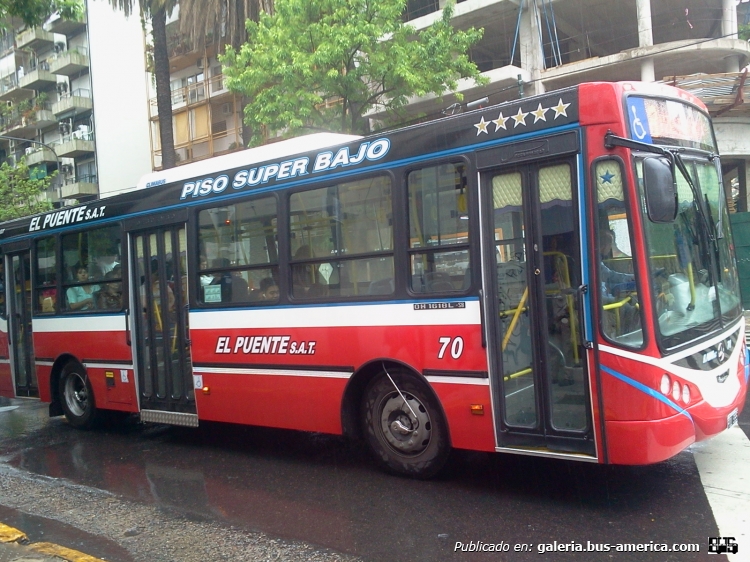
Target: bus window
[[619, 298], [45, 276], [438, 229], [238, 252], [91, 264], [342, 240]]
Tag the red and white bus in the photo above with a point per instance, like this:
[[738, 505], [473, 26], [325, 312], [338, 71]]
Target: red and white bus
[[552, 276]]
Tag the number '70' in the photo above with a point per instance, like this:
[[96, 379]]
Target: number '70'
[[456, 344]]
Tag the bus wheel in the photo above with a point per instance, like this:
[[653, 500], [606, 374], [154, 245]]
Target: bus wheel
[[407, 435], [77, 397]]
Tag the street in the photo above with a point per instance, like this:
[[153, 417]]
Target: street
[[132, 492]]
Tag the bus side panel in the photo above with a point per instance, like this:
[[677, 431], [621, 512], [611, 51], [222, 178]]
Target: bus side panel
[[6, 378], [467, 430], [343, 347], [90, 339], [307, 403]]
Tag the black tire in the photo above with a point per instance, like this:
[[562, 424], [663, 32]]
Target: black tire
[[76, 397], [400, 442]]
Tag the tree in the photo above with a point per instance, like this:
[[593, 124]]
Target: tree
[[34, 12], [323, 64], [157, 11], [20, 193]]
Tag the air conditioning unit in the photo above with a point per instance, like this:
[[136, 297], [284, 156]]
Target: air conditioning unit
[[199, 63], [226, 109], [29, 150]]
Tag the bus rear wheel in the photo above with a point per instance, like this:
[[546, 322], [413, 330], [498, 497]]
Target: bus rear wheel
[[405, 430], [77, 397]]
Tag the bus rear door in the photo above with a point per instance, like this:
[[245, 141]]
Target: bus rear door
[[532, 279], [159, 317]]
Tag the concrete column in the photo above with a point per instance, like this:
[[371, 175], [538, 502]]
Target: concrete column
[[530, 46], [645, 28], [729, 19], [645, 37], [647, 71]]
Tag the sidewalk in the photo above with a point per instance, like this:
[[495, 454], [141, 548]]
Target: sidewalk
[[14, 547]]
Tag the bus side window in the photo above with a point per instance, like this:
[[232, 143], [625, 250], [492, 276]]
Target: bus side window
[[45, 276], [438, 229], [238, 252], [342, 240]]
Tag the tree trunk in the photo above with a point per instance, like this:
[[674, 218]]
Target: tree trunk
[[163, 92]]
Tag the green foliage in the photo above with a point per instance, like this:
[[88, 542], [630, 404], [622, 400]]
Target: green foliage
[[743, 32], [20, 193], [323, 64], [34, 12]]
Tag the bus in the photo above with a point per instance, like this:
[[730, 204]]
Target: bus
[[551, 276]]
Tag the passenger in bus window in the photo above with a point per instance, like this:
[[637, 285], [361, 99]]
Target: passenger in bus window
[[82, 297], [110, 297], [269, 290]]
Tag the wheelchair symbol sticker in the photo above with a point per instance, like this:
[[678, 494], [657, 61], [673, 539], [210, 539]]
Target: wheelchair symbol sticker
[[639, 128]]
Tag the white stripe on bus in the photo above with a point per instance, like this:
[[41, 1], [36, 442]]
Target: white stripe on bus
[[337, 316]]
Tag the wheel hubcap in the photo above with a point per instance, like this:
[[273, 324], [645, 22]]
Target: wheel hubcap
[[76, 396], [407, 433]]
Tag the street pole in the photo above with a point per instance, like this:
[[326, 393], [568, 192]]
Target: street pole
[[45, 145]]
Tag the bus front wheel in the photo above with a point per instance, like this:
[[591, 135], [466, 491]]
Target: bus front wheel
[[77, 396], [404, 426]]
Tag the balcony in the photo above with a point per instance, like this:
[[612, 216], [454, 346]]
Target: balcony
[[76, 145], [82, 186], [78, 102], [38, 79], [11, 91], [40, 155], [34, 39], [67, 27], [25, 120], [68, 63]]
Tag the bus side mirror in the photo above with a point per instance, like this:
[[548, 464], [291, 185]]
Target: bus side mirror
[[660, 189]]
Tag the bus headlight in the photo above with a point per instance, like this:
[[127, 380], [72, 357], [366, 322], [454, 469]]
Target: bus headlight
[[686, 394], [676, 391], [665, 385]]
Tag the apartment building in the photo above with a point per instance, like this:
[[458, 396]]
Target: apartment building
[[48, 114], [206, 116], [533, 46]]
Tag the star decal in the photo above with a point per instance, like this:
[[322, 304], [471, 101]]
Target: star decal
[[607, 177], [482, 126], [500, 122], [519, 118], [560, 108], [539, 112]]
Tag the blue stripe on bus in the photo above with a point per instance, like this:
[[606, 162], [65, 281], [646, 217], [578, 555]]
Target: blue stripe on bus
[[747, 364], [650, 391]]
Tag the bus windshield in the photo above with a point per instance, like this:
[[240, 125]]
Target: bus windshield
[[692, 269]]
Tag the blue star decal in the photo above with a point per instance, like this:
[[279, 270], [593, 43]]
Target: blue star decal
[[607, 177]]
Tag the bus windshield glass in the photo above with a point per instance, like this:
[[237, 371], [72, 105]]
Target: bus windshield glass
[[669, 123], [692, 270]]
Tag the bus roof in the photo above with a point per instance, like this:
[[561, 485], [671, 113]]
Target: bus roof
[[246, 157]]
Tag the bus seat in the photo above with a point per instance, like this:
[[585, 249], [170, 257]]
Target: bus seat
[[381, 287]]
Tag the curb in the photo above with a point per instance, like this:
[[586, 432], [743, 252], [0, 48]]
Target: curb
[[15, 537]]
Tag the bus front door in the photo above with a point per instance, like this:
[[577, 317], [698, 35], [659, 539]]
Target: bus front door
[[532, 266], [21, 341], [160, 316]]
